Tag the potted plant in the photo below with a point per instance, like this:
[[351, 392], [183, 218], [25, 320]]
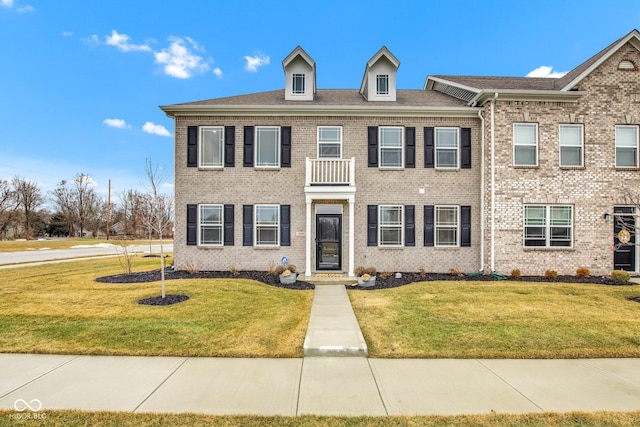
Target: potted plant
[[287, 273], [366, 276]]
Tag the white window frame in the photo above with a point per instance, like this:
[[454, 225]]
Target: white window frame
[[567, 146], [203, 225], [520, 144], [298, 79], [219, 149], [324, 142], [455, 149], [382, 84], [626, 147], [446, 226], [382, 147], [547, 224], [259, 130], [266, 224], [386, 226]]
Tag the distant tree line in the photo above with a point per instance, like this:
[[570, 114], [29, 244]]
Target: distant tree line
[[75, 209]]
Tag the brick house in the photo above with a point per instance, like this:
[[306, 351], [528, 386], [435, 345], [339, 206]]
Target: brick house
[[473, 173]]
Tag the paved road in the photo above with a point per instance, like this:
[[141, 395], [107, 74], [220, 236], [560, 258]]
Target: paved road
[[81, 251]]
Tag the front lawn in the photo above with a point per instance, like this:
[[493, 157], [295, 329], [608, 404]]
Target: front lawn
[[59, 308], [502, 319], [41, 244]]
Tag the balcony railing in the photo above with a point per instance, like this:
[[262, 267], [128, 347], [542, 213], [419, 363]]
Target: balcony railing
[[331, 171]]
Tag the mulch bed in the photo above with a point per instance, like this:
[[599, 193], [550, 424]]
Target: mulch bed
[[154, 276], [167, 300]]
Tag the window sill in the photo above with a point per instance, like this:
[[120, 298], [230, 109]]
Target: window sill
[[207, 247], [210, 168], [548, 248], [391, 168], [447, 169], [627, 169], [266, 248], [447, 247], [572, 168], [392, 247], [266, 168], [525, 166]]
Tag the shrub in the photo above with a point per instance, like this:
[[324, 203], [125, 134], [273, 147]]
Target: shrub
[[583, 272], [422, 271], [620, 276], [515, 273], [383, 274], [192, 268], [455, 272], [285, 270], [551, 274], [277, 269], [234, 271]]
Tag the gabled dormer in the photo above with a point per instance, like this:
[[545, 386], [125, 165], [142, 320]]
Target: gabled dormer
[[379, 81], [300, 76]]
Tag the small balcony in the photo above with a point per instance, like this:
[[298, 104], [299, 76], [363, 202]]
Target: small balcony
[[331, 172]]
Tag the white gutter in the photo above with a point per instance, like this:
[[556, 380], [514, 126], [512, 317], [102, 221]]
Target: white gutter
[[493, 185], [482, 212]]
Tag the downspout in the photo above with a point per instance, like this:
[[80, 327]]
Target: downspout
[[482, 191], [493, 185]]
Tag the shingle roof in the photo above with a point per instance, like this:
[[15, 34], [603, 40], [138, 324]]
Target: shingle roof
[[509, 83], [336, 97]]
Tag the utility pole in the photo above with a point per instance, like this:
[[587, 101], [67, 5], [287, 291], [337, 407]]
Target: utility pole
[[108, 209]]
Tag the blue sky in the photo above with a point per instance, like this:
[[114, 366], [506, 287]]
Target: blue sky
[[81, 81]]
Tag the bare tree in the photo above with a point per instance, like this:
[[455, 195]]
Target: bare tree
[[79, 203], [28, 198], [131, 212], [159, 212], [8, 206]]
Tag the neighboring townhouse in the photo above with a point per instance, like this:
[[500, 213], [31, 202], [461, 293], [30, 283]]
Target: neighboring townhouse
[[472, 173]]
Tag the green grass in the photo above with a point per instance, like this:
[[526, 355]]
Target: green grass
[[60, 309], [117, 419], [30, 245], [499, 320]]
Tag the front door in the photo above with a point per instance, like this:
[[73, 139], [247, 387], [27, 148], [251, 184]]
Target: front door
[[624, 257], [328, 241]]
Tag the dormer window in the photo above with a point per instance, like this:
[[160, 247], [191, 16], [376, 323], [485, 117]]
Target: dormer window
[[297, 87], [382, 84]]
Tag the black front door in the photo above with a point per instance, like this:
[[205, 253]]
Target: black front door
[[328, 242], [624, 257]]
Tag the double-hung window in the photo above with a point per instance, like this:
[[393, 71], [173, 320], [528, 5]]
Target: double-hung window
[[390, 225], [627, 146], [211, 146], [525, 144], [391, 147], [447, 147], [298, 84], [446, 225], [211, 222], [329, 142], [382, 84], [267, 146], [548, 225], [267, 225], [571, 145]]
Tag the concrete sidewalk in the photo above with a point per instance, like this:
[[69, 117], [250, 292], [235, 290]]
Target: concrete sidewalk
[[326, 385], [317, 385]]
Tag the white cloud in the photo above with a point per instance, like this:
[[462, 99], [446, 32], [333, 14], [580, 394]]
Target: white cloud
[[154, 129], [67, 33], [121, 41], [178, 60], [26, 9], [253, 62], [116, 123], [218, 72], [546, 71], [7, 3]]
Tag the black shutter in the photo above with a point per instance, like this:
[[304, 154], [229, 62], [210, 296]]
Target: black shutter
[[372, 225], [192, 146], [229, 146], [409, 225], [429, 151], [285, 146], [248, 147], [428, 225], [465, 143], [465, 225], [228, 225], [373, 146], [410, 147], [247, 225], [285, 225], [192, 225]]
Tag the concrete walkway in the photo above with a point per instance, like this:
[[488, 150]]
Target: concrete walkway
[[327, 385]]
